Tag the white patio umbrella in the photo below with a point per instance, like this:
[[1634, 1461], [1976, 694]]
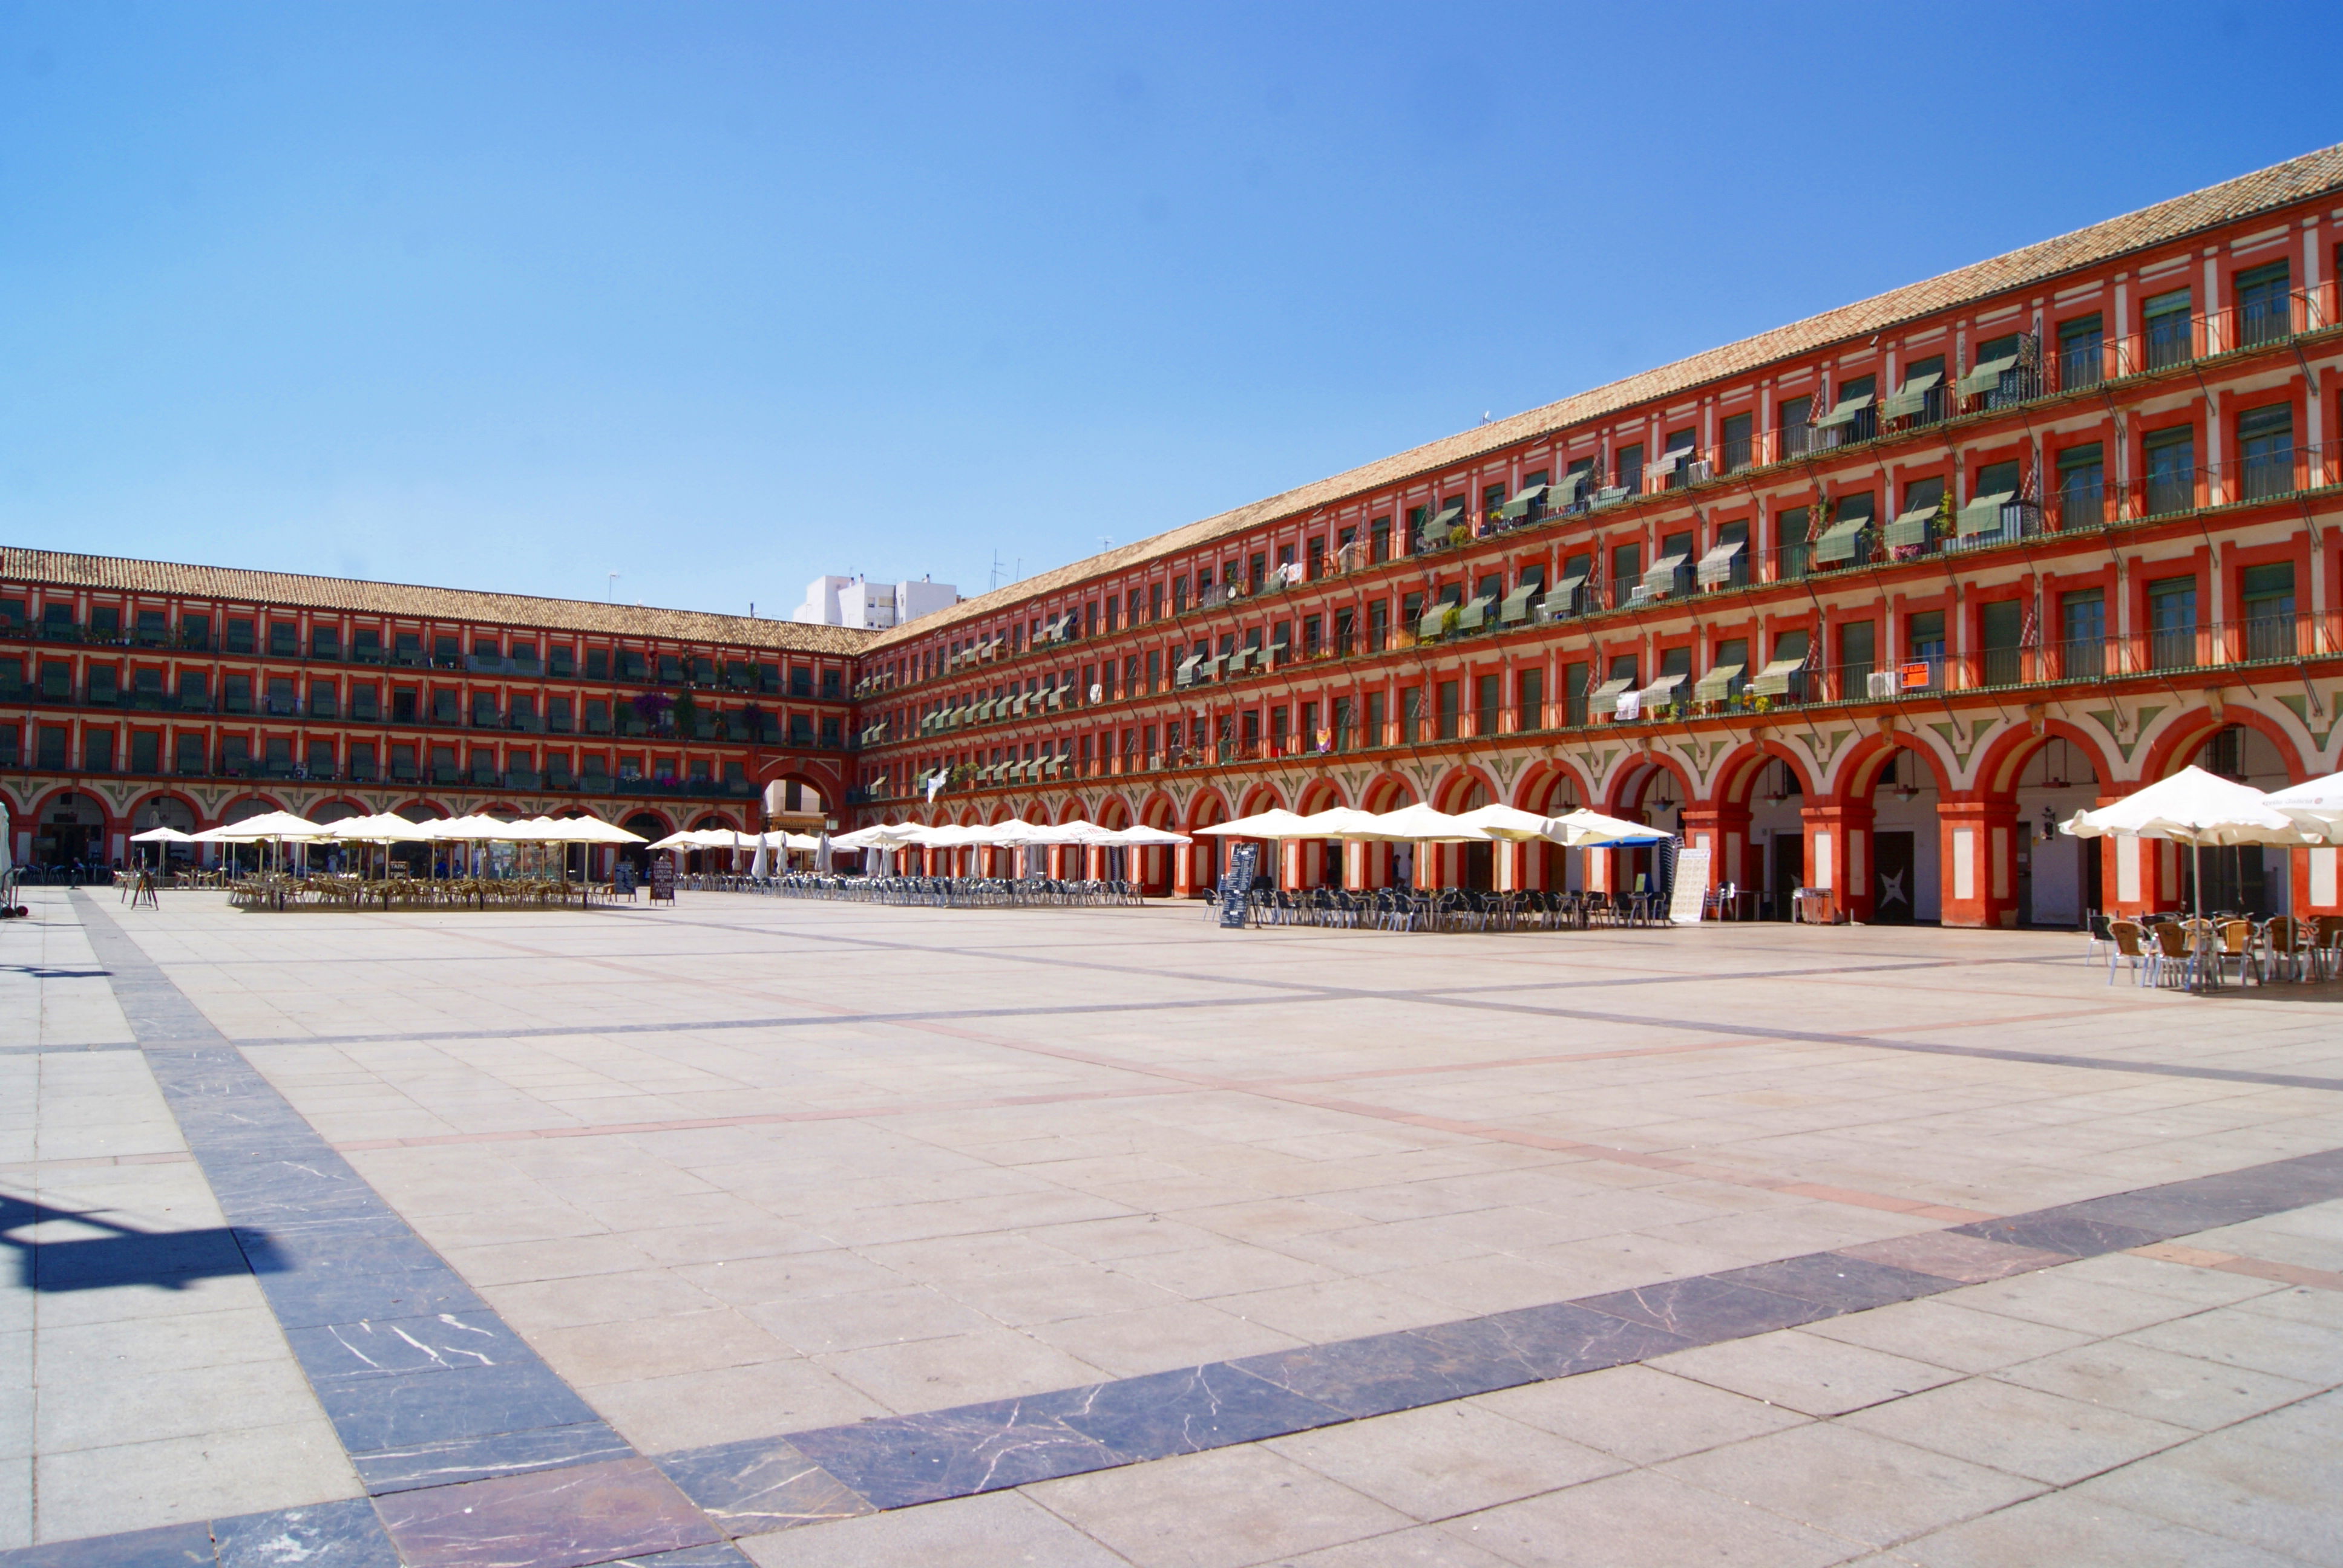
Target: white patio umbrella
[[1584, 830], [1144, 837], [762, 866], [1420, 824], [1339, 822], [1275, 823], [2193, 808], [2315, 807], [1506, 821], [157, 836], [594, 830], [880, 836], [268, 827], [386, 827]]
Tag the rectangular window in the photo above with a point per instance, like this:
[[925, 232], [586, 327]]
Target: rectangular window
[[1378, 729], [2266, 593], [239, 635], [1857, 656], [2266, 451], [2081, 353], [2000, 625], [1738, 451], [1411, 715], [1488, 694], [97, 751], [2172, 623], [1630, 467], [189, 754], [284, 638], [322, 700], [324, 642], [1626, 572], [1530, 687], [2083, 634], [2165, 318], [2171, 470], [2265, 309], [362, 770], [1796, 424], [2082, 486]]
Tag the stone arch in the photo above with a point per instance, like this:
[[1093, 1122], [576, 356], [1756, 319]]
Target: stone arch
[[244, 808], [1870, 759], [1319, 794], [1737, 776], [2180, 736], [335, 808], [1549, 780], [1463, 788], [165, 809], [1263, 796], [68, 826], [1386, 792]]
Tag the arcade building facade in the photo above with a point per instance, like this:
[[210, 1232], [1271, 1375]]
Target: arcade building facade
[[1867, 603]]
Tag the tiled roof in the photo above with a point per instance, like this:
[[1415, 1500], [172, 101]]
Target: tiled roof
[[2262, 191], [290, 590]]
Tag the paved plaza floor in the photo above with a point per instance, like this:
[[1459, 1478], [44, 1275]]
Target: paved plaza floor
[[795, 1232]]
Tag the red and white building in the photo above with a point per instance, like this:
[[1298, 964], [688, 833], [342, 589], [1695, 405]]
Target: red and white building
[[1865, 603]]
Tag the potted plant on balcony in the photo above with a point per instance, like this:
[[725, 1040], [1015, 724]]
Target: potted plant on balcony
[[651, 707]]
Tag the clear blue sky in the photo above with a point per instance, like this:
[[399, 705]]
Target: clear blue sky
[[723, 296]]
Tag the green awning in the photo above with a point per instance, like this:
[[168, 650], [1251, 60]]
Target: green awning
[[1564, 600], [1428, 628], [1662, 577], [1983, 515], [1612, 495], [1910, 397], [1844, 413], [1516, 607], [1448, 517], [1774, 680], [1716, 567], [1911, 528], [1188, 669], [1663, 689], [1986, 376], [1718, 684], [1566, 489], [1476, 615], [1610, 692], [1839, 542], [1519, 506]]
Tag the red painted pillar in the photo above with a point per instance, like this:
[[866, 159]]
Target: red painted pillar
[[1979, 885], [1724, 831], [1838, 856]]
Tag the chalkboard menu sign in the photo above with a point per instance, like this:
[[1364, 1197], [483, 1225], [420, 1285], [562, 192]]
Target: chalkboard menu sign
[[663, 878], [1236, 885]]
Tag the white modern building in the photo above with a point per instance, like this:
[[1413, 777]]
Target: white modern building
[[859, 602]]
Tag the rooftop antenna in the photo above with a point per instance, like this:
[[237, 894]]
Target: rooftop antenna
[[614, 587], [996, 571]]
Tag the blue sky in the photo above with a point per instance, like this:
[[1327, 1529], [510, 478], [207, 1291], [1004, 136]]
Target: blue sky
[[720, 298]]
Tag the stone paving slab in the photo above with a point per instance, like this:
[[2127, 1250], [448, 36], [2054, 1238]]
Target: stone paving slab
[[776, 1246]]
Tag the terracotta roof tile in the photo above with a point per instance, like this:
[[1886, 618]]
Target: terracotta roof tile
[[2262, 191], [292, 591]]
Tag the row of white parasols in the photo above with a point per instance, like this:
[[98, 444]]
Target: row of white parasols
[[1409, 824], [2200, 810], [285, 828]]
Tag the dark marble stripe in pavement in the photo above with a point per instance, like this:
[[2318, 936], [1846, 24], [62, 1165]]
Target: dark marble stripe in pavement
[[445, 1502], [429, 1391], [898, 1461]]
